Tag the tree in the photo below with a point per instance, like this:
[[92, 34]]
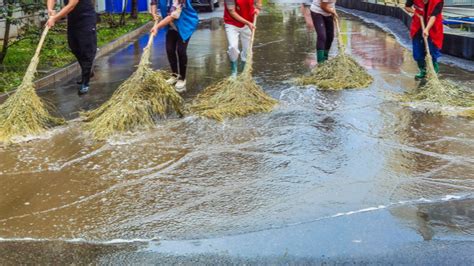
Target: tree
[[134, 13], [27, 8]]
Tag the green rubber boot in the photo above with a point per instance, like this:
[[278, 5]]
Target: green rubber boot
[[422, 73], [242, 65], [320, 56], [233, 68], [326, 54], [436, 67]]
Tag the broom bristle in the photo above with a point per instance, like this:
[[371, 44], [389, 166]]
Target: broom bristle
[[441, 92], [340, 72], [24, 113], [135, 103], [233, 97]]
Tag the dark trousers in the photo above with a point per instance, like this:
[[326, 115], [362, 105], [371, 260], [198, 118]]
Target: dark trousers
[[83, 44], [324, 27], [419, 49], [176, 50]]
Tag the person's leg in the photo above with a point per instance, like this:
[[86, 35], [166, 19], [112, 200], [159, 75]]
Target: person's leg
[[419, 55], [435, 54], [320, 28], [245, 35], [232, 33], [183, 57], [86, 41], [171, 42], [72, 41], [329, 23]]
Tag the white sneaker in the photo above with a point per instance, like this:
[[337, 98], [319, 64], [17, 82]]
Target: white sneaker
[[172, 80], [180, 86]]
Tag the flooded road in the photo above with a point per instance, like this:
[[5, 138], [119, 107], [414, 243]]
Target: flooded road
[[339, 168]]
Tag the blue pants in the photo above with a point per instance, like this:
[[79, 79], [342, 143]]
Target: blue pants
[[419, 49]]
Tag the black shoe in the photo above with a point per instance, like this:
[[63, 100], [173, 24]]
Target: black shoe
[[83, 90]]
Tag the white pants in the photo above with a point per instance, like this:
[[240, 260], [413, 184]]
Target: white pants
[[233, 34]]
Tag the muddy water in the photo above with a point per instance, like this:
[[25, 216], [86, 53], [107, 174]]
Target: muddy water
[[318, 154]]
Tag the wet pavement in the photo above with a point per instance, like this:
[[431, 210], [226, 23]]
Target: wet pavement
[[346, 176]]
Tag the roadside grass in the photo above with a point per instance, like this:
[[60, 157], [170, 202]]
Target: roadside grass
[[55, 53]]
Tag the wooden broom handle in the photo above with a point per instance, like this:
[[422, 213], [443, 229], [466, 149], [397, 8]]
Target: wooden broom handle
[[427, 48], [253, 34], [150, 40], [41, 41], [339, 37]]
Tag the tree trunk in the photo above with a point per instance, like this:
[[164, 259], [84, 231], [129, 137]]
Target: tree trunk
[[124, 11], [6, 36], [134, 13]]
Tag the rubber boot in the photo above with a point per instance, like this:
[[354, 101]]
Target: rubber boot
[[326, 54], [233, 68], [320, 56], [436, 66], [242, 63], [422, 73]]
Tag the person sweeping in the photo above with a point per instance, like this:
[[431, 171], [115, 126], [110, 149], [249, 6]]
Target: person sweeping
[[180, 21], [238, 22], [234, 96], [337, 73], [323, 14], [136, 103], [81, 34], [431, 13], [24, 113]]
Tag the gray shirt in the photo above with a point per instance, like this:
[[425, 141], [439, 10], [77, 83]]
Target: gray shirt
[[316, 6]]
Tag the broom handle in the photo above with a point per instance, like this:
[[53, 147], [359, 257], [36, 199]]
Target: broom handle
[[253, 32], [339, 37], [150, 40], [41, 41], [35, 59], [427, 47]]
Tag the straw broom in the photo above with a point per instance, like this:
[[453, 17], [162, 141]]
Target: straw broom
[[340, 72], [438, 91], [234, 97], [24, 113], [136, 102]]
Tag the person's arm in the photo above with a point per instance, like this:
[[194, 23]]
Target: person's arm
[[50, 4], [62, 13], [409, 7], [167, 20], [326, 7], [437, 10], [153, 9], [230, 5], [258, 7]]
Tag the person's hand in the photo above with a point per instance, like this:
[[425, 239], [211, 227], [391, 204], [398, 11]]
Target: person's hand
[[51, 12], [251, 26], [51, 21], [257, 11], [426, 33], [155, 17], [154, 30]]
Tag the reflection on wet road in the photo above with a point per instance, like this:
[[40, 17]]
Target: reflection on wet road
[[316, 155]]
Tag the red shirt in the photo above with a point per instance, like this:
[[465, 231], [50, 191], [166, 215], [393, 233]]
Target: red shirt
[[245, 8], [426, 11]]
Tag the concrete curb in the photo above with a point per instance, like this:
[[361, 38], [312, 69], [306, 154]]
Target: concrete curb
[[72, 70], [455, 44]]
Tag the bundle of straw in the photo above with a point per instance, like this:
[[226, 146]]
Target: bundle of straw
[[24, 113], [136, 102], [442, 92], [234, 97], [340, 72]]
